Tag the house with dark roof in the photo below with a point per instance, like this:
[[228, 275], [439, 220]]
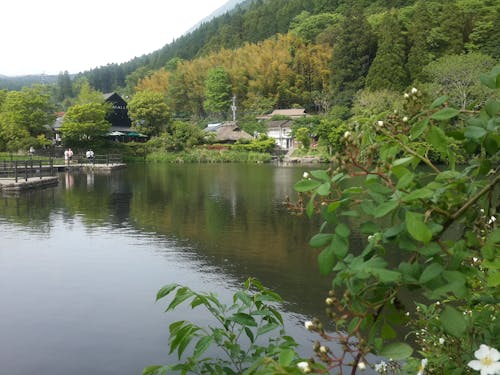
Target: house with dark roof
[[118, 117], [121, 125]]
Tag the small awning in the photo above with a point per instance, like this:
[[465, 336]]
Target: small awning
[[135, 134]]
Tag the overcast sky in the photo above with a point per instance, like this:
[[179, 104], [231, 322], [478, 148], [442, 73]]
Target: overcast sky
[[51, 36]]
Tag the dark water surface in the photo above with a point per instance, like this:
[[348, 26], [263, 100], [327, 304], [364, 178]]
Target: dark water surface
[[80, 263]]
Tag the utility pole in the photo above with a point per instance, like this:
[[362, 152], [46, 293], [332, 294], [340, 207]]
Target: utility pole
[[233, 108]]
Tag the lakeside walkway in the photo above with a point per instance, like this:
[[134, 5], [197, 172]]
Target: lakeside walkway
[[23, 176]]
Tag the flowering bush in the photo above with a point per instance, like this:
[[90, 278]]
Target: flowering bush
[[430, 232]]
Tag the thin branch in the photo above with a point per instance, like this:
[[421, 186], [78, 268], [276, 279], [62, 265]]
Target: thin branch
[[473, 200]]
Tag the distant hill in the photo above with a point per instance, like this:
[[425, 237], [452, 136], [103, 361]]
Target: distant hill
[[230, 5], [16, 83]]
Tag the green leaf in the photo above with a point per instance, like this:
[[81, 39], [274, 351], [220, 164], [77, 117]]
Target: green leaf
[[417, 130], [438, 140], [368, 227], [489, 79], [202, 345], [324, 189], [387, 332], [397, 351], [339, 246], [320, 175], [182, 294], [453, 321], [439, 101], [423, 193], [310, 207], [286, 357], [385, 208], [306, 185], [402, 161], [405, 180], [243, 297], [445, 114], [492, 108], [430, 272], [417, 228], [342, 230], [320, 240], [155, 370], [244, 319], [385, 275], [326, 261], [475, 132], [166, 290], [250, 334], [332, 207], [267, 328]]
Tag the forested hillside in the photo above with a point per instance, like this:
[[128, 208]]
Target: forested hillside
[[379, 45]]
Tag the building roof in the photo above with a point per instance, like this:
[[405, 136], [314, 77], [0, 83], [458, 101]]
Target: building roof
[[227, 131], [289, 112], [292, 112]]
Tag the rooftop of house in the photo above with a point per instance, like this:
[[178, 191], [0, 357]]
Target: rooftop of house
[[227, 131]]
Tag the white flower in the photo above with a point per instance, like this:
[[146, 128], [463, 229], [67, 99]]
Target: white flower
[[329, 301], [380, 123], [492, 220], [406, 95], [405, 119], [381, 367], [487, 360], [371, 237], [362, 366], [347, 134], [323, 349], [421, 368], [305, 175], [309, 325], [441, 341], [304, 367], [414, 90]]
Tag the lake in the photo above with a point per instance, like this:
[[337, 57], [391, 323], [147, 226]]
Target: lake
[[80, 263]]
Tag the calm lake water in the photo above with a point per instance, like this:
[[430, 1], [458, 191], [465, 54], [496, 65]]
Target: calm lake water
[[80, 263]]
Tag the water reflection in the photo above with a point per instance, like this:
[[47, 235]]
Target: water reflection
[[98, 246]]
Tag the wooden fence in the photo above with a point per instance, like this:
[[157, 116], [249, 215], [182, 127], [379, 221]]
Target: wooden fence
[[25, 169]]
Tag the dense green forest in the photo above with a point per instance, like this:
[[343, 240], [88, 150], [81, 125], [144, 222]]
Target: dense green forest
[[337, 58]]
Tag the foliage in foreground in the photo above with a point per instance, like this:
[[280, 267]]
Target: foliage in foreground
[[430, 232], [249, 332]]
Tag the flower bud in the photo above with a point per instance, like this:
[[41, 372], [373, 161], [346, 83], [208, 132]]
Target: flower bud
[[309, 325], [304, 367]]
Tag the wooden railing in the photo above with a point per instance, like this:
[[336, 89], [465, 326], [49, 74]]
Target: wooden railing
[[25, 169], [101, 159]]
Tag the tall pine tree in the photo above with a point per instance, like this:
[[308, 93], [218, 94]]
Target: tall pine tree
[[419, 54], [353, 53], [388, 70]]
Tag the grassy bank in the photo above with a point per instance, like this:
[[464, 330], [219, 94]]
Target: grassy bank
[[208, 156]]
